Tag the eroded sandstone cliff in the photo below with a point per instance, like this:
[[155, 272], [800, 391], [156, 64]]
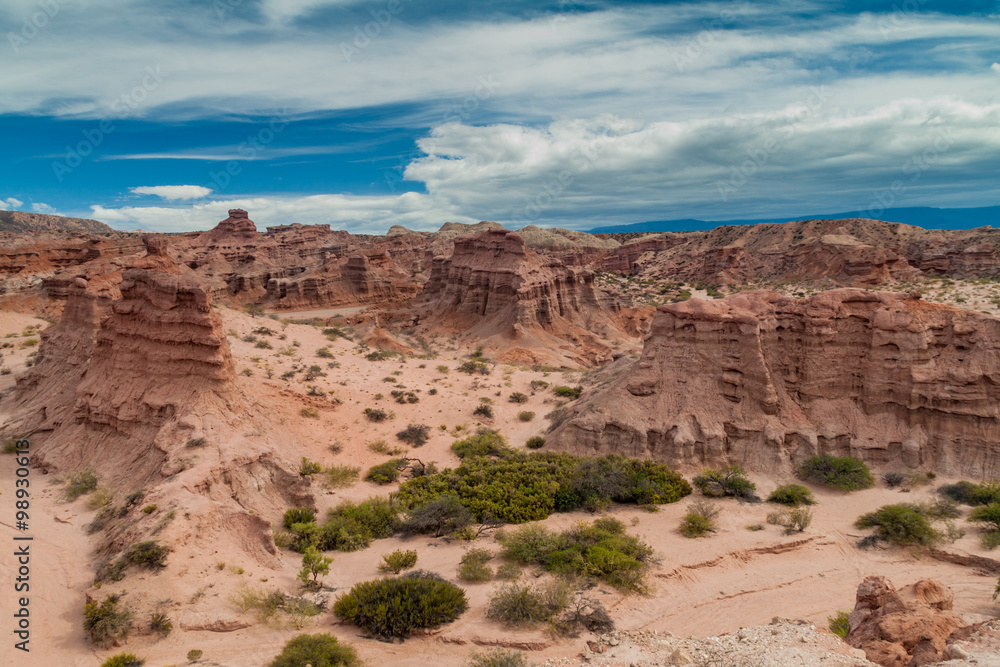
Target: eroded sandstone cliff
[[766, 381]]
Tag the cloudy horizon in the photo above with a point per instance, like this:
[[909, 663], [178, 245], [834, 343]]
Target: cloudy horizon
[[570, 114]]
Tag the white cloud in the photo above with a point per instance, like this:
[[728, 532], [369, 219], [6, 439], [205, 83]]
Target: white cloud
[[173, 192], [995, 67], [39, 207], [10, 204], [358, 214]]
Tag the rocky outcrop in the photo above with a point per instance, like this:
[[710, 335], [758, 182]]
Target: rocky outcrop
[[517, 302], [22, 223], [904, 628], [766, 381]]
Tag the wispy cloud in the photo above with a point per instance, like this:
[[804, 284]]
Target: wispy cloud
[[173, 192]]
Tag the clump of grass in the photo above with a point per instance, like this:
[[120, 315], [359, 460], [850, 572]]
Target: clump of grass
[[397, 561], [196, 442], [341, 476], [526, 415], [308, 467], [80, 483], [474, 567], [792, 494], [309, 413], [700, 519], [535, 442], [514, 604], [376, 414], [839, 624]]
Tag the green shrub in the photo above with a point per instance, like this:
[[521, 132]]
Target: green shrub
[[473, 566], [792, 519], [515, 604], [385, 473], [319, 650], [700, 519], [341, 476], [989, 516], [197, 442], [352, 526], [498, 657], [968, 493], [901, 524], [518, 397], [839, 624], [535, 442], [308, 467], [839, 472], [600, 550], [149, 554], [194, 655], [484, 410], [381, 355], [298, 515], [416, 435], [79, 484], [395, 607], [397, 561], [160, 624], [472, 367], [516, 487], [526, 415], [568, 392], [508, 571], [149, 509], [792, 494], [107, 622], [442, 516], [324, 352], [729, 481], [123, 660], [376, 414]]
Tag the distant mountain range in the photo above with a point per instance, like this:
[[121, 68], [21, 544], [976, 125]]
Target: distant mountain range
[[20, 222], [920, 216]]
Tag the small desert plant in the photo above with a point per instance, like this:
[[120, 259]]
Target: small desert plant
[[968, 493], [484, 410], [442, 516], [149, 554], [194, 655], [901, 524], [840, 472], [473, 566], [397, 561], [160, 624], [296, 515], [197, 442], [508, 571], [989, 517], [320, 650], [792, 519], [893, 479], [416, 435], [149, 509], [341, 476], [123, 660], [839, 625], [518, 397], [107, 622], [498, 657], [700, 519], [314, 564], [526, 415], [472, 367], [309, 413], [535, 442], [395, 607], [515, 604], [100, 498], [729, 481], [791, 494], [376, 414], [385, 473], [324, 352], [308, 467], [568, 392], [79, 484]]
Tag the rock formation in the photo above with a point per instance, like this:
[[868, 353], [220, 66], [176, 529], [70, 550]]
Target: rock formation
[[904, 628], [518, 303], [766, 381], [134, 371], [21, 222]]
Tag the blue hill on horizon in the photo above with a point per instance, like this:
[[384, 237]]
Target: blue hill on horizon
[[919, 216]]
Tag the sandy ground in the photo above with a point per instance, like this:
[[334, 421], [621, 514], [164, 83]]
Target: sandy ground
[[735, 578]]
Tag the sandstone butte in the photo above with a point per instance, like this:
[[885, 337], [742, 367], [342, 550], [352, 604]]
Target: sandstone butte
[[133, 372], [521, 306], [766, 381]]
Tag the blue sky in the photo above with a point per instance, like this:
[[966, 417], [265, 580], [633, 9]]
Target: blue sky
[[365, 114]]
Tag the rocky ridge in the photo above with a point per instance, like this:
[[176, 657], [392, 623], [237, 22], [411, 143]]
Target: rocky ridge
[[766, 381]]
